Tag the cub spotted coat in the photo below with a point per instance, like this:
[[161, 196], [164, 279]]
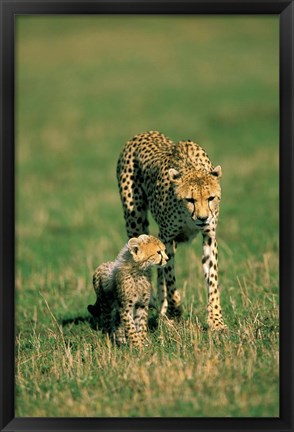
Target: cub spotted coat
[[123, 289]]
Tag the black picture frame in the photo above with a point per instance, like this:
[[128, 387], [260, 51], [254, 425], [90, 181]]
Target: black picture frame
[[8, 10]]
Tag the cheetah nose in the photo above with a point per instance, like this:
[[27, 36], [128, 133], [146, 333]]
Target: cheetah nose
[[202, 218]]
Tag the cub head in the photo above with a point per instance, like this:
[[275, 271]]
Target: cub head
[[147, 251], [198, 192]]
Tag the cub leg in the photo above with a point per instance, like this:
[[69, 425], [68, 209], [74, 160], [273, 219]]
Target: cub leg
[[127, 324], [102, 309], [141, 320], [95, 309], [120, 335]]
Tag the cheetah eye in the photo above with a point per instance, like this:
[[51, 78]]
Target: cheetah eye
[[190, 200], [211, 198]]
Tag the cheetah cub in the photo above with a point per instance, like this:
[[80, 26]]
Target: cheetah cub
[[123, 289]]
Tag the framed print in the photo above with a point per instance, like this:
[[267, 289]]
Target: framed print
[[146, 215]]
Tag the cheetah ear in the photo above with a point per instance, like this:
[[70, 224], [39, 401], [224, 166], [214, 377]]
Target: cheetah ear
[[217, 171], [174, 175], [133, 245]]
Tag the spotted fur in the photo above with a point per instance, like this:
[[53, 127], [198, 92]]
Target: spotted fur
[[181, 188], [123, 289]]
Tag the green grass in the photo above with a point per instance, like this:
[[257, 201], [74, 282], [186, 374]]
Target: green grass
[[84, 86]]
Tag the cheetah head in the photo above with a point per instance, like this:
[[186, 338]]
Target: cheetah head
[[199, 193], [147, 251]]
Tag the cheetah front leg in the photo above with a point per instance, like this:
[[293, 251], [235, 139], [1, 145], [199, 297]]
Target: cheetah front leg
[[210, 269]]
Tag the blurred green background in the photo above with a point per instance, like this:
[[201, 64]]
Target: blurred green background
[[84, 86]]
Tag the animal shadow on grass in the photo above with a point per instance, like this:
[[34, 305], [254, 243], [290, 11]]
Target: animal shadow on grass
[[93, 323], [96, 325]]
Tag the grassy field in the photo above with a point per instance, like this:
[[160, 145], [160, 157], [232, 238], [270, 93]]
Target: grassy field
[[84, 86]]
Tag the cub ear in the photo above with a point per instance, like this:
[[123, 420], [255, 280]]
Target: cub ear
[[217, 171], [174, 175], [133, 245], [143, 238]]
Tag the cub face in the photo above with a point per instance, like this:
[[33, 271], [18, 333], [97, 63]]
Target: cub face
[[148, 251], [199, 195]]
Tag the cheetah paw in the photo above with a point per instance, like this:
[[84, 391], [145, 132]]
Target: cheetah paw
[[217, 325]]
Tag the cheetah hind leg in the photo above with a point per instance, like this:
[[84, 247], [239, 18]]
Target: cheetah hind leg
[[170, 301], [162, 291], [134, 200]]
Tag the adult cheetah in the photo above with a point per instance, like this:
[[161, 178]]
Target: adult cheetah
[[179, 185]]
